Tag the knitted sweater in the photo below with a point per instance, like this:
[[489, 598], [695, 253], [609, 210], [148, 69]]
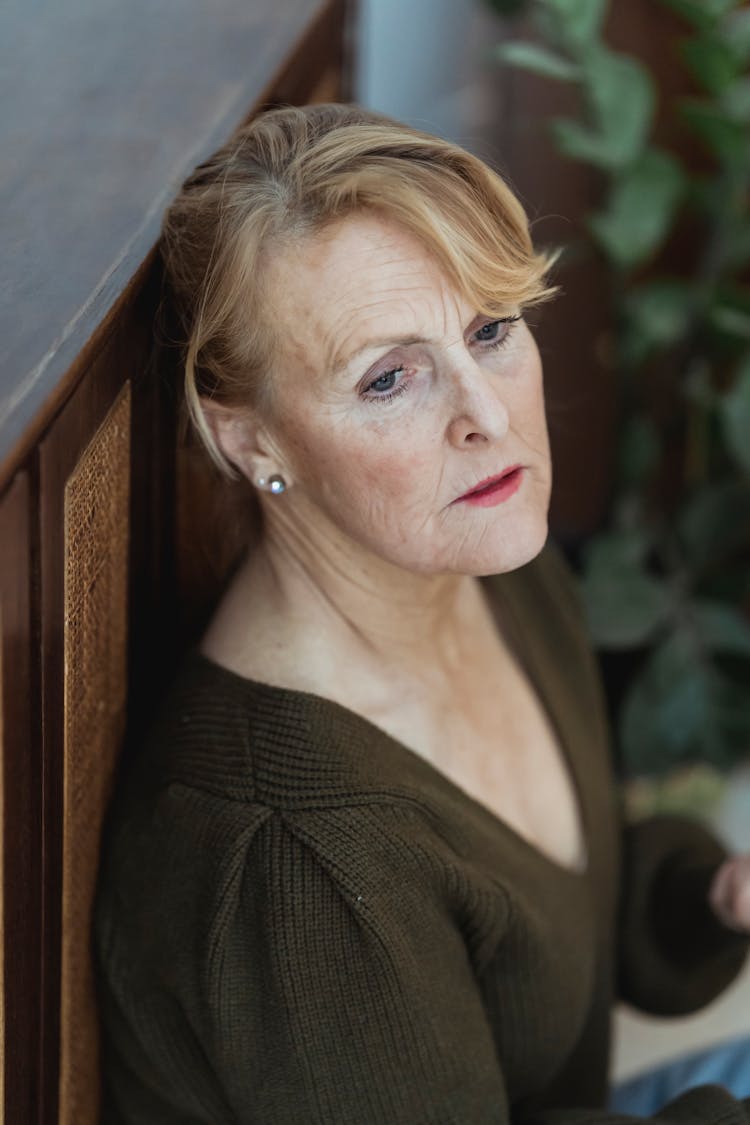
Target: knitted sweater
[[301, 921]]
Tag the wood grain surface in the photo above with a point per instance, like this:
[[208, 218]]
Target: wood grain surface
[[22, 827], [105, 112], [106, 107]]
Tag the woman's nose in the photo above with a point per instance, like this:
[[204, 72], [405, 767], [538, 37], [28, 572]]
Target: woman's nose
[[477, 410]]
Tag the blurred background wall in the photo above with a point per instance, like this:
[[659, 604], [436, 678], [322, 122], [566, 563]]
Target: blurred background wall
[[422, 61]]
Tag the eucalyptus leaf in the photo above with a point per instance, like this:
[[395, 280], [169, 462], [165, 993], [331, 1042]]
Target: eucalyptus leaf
[[621, 102], [737, 253], [735, 101], [734, 714], [734, 410], [734, 322], [666, 717], [707, 195], [719, 8], [694, 11], [734, 29], [623, 611], [698, 386], [657, 314], [712, 62], [681, 709], [726, 139], [508, 8], [584, 144], [721, 627], [714, 521], [641, 209], [622, 99], [579, 22], [530, 56], [616, 551], [639, 450], [625, 606], [686, 702], [701, 13]]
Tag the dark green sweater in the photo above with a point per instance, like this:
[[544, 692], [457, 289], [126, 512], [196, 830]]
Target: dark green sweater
[[302, 921]]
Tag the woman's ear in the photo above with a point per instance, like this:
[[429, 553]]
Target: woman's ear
[[242, 439]]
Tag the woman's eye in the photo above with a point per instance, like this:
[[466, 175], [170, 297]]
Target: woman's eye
[[489, 333], [384, 382], [385, 388]]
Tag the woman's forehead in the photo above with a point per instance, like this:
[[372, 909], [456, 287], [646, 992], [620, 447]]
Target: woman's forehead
[[363, 270]]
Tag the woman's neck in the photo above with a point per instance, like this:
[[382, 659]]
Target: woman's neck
[[365, 605], [307, 610]]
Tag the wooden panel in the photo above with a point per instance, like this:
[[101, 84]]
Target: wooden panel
[[328, 86], [121, 101], [122, 527], [153, 634], [322, 55], [2, 865], [75, 632], [21, 835], [216, 520], [101, 552], [95, 645]]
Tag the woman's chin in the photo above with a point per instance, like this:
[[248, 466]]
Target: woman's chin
[[515, 547], [493, 553]]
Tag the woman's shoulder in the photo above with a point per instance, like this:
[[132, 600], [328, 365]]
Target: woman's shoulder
[[225, 734], [228, 761], [223, 752], [229, 799], [250, 741]]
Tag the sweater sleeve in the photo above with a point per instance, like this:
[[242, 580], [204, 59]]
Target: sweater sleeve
[[300, 984], [337, 998], [675, 956], [344, 995]]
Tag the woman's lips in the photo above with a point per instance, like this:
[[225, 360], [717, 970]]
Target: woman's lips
[[496, 491]]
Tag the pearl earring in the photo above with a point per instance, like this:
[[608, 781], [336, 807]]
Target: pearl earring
[[275, 484]]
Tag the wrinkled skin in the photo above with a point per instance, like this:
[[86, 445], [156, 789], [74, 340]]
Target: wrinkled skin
[[384, 473], [367, 525]]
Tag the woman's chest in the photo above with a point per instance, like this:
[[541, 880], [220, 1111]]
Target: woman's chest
[[498, 744], [516, 767]]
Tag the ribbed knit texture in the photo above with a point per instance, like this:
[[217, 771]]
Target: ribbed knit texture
[[302, 921]]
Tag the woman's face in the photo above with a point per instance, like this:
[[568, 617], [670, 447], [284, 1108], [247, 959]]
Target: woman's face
[[393, 398]]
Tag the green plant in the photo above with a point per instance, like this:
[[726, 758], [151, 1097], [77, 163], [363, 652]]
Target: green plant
[[668, 579]]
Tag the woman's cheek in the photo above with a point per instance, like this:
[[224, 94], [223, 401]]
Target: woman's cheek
[[385, 478]]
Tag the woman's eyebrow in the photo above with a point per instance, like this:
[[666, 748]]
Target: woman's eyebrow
[[340, 363]]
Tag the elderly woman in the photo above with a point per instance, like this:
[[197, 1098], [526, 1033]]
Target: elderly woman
[[368, 866]]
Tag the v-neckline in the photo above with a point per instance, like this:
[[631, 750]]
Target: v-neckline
[[539, 686], [537, 683]]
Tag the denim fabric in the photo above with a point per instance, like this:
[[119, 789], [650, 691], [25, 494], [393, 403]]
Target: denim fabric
[[726, 1064]]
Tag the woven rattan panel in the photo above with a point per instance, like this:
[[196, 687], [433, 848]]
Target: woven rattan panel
[[2, 868], [96, 613]]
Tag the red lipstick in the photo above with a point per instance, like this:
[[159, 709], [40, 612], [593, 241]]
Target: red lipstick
[[494, 490]]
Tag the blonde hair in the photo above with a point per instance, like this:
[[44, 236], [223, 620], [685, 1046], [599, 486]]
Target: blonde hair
[[285, 176]]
